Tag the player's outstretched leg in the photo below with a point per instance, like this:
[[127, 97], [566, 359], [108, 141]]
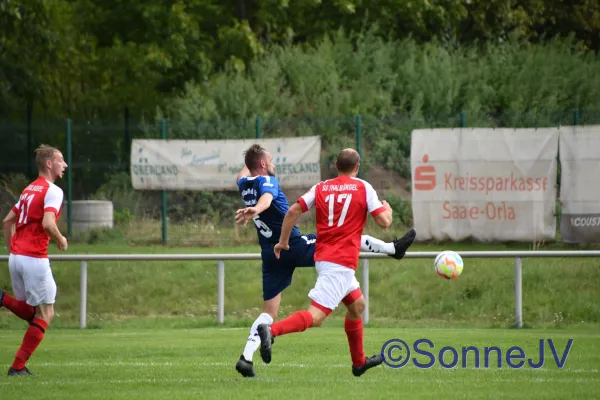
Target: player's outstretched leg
[[396, 249], [401, 245], [264, 332], [20, 308], [297, 322], [245, 365]]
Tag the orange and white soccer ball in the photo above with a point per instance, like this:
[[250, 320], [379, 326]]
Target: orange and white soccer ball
[[448, 264]]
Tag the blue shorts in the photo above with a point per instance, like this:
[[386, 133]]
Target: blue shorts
[[277, 274]]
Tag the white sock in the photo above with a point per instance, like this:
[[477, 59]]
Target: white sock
[[374, 245], [253, 340]]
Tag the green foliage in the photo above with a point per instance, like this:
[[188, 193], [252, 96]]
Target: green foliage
[[127, 202], [402, 211], [306, 67], [396, 87], [11, 186], [123, 217], [203, 206], [105, 235], [91, 59]]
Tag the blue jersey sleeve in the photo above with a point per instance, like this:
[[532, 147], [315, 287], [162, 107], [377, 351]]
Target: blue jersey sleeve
[[268, 184], [241, 181]]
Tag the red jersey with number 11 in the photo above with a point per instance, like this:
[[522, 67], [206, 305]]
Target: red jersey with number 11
[[30, 238], [342, 205]]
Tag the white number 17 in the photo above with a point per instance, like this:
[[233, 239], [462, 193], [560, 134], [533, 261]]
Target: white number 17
[[340, 197]]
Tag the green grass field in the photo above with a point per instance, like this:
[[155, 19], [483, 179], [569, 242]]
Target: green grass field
[[556, 291], [199, 364], [152, 331]]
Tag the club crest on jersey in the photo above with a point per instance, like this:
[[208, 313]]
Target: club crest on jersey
[[251, 191]]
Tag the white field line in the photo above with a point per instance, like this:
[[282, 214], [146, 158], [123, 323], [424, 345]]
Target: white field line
[[289, 365]]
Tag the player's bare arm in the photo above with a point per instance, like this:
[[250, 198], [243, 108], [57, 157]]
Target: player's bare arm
[[243, 215], [384, 219], [8, 226], [49, 225], [291, 218]]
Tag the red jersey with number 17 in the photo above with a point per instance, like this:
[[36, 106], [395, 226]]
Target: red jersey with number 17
[[30, 238], [342, 205]]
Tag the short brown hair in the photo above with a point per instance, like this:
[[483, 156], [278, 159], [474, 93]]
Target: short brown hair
[[44, 153], [253, 155], [347, 160]]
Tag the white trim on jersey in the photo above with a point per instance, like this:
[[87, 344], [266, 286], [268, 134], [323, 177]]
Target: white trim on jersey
[[373, 202], [267, 181], [309, 197], [54, 197]]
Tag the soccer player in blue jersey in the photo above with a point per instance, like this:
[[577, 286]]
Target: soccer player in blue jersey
[[267, 205]]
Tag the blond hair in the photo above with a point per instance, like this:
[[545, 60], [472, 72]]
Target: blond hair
[[42, 154]]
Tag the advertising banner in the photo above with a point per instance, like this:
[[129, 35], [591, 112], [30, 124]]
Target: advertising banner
[[214, 164], [485, 184], [580, 184]]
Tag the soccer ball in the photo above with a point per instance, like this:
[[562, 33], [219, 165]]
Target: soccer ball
[[448, 264]]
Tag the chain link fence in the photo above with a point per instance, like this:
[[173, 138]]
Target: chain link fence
[[99, 167]]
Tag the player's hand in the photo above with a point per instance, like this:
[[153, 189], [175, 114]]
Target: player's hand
[[278, 247], [62, 244], [243, 215], [387, 206]]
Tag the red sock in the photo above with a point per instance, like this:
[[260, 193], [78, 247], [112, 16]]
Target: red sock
[[297, 322], [18, 307], [354, 331], [31, 340]]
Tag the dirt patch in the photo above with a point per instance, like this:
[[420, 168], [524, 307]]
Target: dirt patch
[[387, 182]]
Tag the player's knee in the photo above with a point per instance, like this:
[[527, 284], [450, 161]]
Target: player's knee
[[45, 312], [357, 308], [318, 319], [318, 316]]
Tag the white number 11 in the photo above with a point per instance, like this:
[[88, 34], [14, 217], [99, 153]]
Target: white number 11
[[331, 200]]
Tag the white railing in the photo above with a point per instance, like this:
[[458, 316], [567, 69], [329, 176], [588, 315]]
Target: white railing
[[220, 258]]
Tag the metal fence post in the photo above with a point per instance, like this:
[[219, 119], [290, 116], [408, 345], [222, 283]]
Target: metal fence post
[[518, 293], [220, 292], [69, 180], [257, 128], [83, 297], [365, 289], [163, 135]]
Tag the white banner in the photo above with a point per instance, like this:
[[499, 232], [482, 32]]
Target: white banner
[[214, 164], [485, 184], [580, 183]]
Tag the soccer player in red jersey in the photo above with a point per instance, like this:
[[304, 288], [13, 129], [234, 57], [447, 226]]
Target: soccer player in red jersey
[[28, 228], [342, 205]]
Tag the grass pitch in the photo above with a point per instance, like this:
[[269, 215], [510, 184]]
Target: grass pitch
[[152, 332], [199, 364]]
